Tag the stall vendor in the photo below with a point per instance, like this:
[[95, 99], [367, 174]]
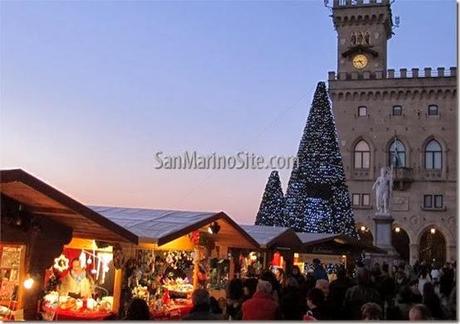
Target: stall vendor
[[76, 283]]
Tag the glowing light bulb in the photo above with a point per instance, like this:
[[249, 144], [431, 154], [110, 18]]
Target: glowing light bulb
[[28, 283], [397, 229], [433, 230], [363, 228]]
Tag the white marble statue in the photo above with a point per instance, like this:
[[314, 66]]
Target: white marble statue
[[383, 187]]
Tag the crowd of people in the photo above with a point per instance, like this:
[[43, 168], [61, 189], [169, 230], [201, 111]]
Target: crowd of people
[[403, 292]]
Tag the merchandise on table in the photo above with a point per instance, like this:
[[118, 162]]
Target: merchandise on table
[[79, 285]]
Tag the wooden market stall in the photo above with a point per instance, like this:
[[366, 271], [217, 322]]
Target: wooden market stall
[[178, 251], [276, 250], [39, 226], [330, 249]]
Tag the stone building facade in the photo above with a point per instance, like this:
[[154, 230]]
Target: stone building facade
[[406, 119]]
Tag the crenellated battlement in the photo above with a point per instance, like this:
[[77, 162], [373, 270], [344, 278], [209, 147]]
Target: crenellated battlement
[[402, 73], [353, 3]]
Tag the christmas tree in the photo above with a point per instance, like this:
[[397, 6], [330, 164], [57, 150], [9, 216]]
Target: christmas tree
[[272, 205], [317, 198]]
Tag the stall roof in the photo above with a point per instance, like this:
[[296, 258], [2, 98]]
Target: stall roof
[[270, 236], [162, 226], [315, 238], [41, 199], [335, 241]]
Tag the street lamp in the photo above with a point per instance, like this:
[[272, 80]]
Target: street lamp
[[363, 228], [433, 230], [397, 229]]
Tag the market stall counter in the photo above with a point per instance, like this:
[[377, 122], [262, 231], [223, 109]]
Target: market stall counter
[[70, 309]]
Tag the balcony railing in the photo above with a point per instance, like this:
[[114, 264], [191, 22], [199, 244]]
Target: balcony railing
[[402, 177]]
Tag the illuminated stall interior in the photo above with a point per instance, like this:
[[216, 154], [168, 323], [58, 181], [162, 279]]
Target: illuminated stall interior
[[331, 249], [177, 252], [38, 224], [276, 248]]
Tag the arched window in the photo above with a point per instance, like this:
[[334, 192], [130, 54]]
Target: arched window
[[362, 111], [433, 110], [362, 155], [397, 154], [433, 155], [397, 110]]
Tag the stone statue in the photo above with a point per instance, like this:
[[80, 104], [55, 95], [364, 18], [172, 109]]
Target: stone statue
[[353, 39], [359, 39], [383, 187], [367, 39]]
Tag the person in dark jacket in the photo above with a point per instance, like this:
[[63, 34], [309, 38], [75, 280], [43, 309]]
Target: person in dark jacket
[[297, 275], [201, 307], [337, 290], [234, 300], [138, 310], [291, 304], [262, 306], [276, 286], [318, 270], [310, 281], [446, 282], [404, 303], [431, 300], [249, 288], [315, 303], [385, 284], [358, 295]]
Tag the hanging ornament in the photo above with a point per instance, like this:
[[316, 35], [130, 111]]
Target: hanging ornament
[[82, 259], [61, 263], [104, 259]]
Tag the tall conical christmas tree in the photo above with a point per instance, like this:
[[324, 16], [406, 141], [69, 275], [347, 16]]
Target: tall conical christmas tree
[[317, 199], [272, 205]]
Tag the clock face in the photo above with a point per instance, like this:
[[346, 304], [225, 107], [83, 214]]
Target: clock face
[[360, 61]]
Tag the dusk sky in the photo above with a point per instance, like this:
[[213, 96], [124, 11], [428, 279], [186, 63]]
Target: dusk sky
[[90, 90]]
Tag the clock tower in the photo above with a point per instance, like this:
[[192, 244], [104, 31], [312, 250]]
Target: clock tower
[[363, 30]]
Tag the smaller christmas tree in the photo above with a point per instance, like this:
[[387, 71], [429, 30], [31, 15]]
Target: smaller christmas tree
[[272, 205]]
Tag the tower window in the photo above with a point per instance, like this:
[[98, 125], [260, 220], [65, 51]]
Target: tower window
[[433, 110], [433, 155], [362, 111], [397, 110], [362, 155]]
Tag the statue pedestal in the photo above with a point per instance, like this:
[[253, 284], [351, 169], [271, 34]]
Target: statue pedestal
[[382, 239]]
